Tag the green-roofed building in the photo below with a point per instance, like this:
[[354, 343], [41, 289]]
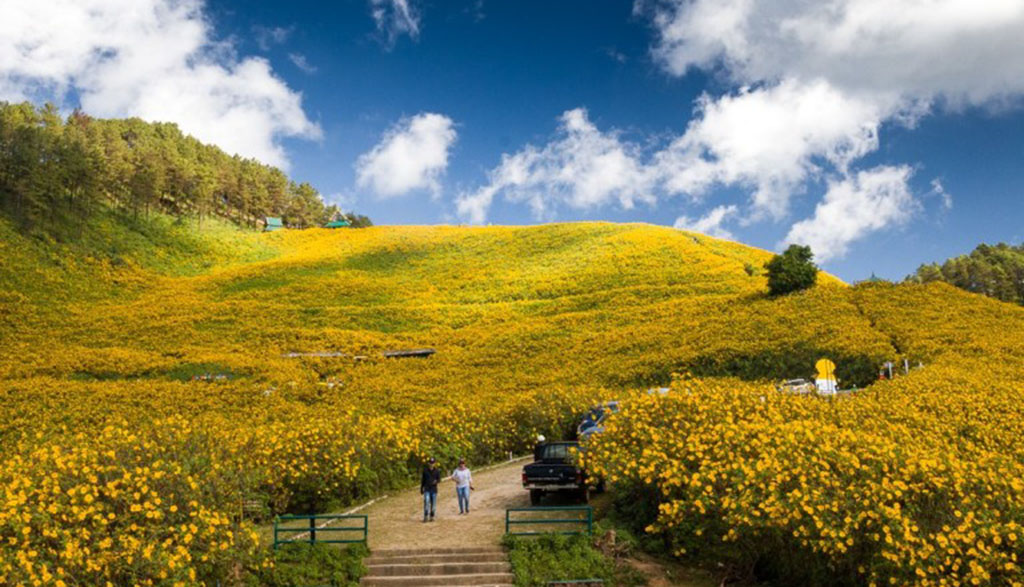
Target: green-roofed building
[[339, 223], [270, 223]]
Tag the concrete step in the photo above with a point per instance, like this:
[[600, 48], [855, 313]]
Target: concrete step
[[476, 579], [435, 569], [425, 567], [428, 551], [460, 557]]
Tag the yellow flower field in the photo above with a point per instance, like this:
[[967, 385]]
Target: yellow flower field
[[918, 480], [141, 406]]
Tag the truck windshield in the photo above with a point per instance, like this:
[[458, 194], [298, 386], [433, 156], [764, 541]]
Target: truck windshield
[[556, 452]]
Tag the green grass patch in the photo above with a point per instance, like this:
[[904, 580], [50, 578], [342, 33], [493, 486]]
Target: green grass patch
[[300, 564], [186, 371], [552, 557], [174, 246]]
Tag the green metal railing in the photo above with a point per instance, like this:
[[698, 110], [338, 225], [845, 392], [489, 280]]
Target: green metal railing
[[310, 532], [583, 582], [584, 521]]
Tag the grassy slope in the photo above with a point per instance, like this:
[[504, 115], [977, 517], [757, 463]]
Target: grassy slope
[[508, 308], [111, 258], [384, 287]]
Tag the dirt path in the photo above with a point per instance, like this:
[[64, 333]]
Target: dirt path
[[397, 520]]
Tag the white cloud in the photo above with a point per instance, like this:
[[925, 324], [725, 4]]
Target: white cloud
[[582, 168], [267, 37], [410, 156], [155, 59], [856, 206], [963, 50], [770, 139], [345, 201], [709, 224], [817, 80], [299, 60], [395, 18], [939, 191]]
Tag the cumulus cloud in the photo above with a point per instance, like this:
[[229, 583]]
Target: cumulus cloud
[[853, 208], [830, 72], [711, 223], [582, 168], [962, 50], [155, 59], [411, 156], [812, 85], [770, 140], [395, 18]]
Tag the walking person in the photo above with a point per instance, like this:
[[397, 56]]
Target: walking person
[[428, 488], [463, 485]]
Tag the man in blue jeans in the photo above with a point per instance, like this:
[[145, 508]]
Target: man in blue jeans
[[428, 487]]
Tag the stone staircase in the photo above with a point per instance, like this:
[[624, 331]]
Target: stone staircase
[[484, 566]]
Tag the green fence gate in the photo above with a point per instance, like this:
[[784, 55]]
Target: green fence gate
[[579, 518], [315, 528]]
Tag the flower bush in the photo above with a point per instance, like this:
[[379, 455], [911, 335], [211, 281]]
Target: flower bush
[[914, 481]]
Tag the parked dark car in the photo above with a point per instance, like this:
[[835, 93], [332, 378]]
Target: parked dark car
[[593, 420], [553, 471]]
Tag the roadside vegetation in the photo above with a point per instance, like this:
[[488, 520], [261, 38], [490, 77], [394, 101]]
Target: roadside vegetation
[[554, 557], [301, 565]]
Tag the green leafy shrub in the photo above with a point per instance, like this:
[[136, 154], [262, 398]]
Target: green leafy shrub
[[315, 564], [791, 271], [553, 557]]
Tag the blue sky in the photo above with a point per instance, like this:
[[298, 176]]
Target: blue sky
[[882, 134]]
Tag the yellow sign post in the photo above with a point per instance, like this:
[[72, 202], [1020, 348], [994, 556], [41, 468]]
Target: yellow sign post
[[826, 377]]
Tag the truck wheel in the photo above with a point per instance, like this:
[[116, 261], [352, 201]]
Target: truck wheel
[[535, 495], [599, 488], [585, 494]]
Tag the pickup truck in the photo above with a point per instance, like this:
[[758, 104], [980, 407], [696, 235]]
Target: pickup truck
[[552, 470]]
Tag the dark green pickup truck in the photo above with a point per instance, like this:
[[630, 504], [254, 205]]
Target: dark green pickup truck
[[553, 470]]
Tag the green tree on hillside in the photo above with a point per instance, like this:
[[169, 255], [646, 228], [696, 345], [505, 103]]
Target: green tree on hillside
[[993, 270], [791, 271]]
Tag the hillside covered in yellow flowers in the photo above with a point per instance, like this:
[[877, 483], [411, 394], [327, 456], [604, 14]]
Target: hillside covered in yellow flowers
[[152, 382]]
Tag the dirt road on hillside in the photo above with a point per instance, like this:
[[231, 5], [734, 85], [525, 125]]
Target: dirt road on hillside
[[397, 520]]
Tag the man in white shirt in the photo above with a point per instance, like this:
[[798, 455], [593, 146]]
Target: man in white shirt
[[463, 485]]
